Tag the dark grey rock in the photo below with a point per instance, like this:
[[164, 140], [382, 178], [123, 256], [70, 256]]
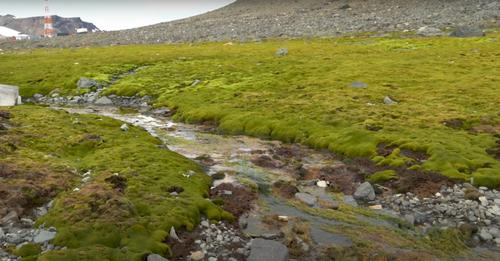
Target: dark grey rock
[[104, 101], [466, 31], [267, 250], [306, 198], [86, 83], [365, 192], [155, 257]]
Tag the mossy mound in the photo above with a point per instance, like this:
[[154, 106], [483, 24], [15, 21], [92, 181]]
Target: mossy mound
[[125, 209]]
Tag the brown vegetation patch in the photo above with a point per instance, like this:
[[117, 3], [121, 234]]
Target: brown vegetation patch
[[495, 152], [454, 123], [418, 156], [265, 161], [23, 188], [237, 200], [119, 183], [423, 184], [95, 201], [385, 150], [5, 115], [285, 189]]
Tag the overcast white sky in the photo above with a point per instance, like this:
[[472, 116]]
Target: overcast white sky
[[114, 14]]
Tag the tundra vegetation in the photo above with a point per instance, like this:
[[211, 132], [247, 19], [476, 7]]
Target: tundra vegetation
[[325, 93]]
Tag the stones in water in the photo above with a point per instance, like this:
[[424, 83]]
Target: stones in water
[[359, 85], [282, 52], [429, 31], [44, 236], [389, 101], [156, 257], [267, 250], [104, 101], [9, 95], [365, 192], [466, 31], [86, 83], [307, 198]]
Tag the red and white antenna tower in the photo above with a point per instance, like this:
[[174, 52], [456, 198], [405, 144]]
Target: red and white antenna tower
[[48, 28]]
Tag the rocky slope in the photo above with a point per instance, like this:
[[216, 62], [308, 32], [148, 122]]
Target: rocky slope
[[258, 19], [34, 25]]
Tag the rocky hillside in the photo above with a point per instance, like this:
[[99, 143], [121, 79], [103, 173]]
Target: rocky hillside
[[34, 25], [258, 19]]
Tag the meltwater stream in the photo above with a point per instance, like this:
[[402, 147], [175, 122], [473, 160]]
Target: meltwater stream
[[230, 154]]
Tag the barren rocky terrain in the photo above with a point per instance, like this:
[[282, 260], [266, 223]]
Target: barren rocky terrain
[[247, 20]]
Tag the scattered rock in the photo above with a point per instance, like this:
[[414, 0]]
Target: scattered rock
[[365, 192], [282, 52], [485, 235], [322, 184], [429, 31], [173, 234], [466, 31], [306, 198], [44, 236], [267, 250], [359, 85], [197, 256], [349, 200], [155, 257], [86, 83], [104, 101], [124, 127], [376, 207], [389, 101], [12, 217]]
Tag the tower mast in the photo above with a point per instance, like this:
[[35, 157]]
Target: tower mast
[[48, 28]]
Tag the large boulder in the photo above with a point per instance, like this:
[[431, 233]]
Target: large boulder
[[365, 192], [267, 250], [9, 95]]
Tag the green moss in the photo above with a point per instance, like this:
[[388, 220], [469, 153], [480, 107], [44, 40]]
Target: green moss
[[307, 97], [28, 250], [102, 220], [382, 176]]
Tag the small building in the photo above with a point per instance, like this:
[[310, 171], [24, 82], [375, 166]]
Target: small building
[[9, 95], [8, 33]]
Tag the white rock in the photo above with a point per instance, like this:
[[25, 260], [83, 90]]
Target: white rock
[[322, 184], [376, 207], [124, 127], [44, 236], [483, 200], [197, 256], [283, 218]]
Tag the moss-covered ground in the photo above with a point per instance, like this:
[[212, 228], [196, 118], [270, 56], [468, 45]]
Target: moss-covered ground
[[125, 209], [447, 89]]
